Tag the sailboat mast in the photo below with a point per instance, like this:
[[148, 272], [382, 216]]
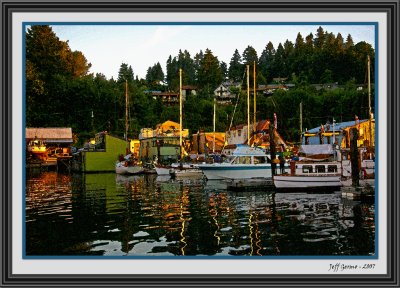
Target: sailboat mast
[[126, 110], [369, 101], [180, 111], [301, 120], [255, 95], [369, 87], [248, 105]]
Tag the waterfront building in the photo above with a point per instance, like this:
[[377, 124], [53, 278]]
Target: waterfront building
[[259, 137], [57, 140], [102, 155], [203, 142], [339, 133], [162, 143]]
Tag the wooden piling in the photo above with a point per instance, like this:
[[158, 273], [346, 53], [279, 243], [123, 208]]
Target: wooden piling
[[272, 148], [355, 172]]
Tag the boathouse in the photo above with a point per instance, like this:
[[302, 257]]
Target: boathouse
[[102, 156], [57, 140], [339, 133]]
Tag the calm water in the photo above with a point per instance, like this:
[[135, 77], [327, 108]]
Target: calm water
[[113, 215]]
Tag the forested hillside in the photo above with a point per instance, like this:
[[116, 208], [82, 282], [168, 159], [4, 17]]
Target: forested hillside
[[61, 91]]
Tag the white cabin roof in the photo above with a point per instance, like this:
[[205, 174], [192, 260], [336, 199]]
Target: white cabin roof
[[244, 150]]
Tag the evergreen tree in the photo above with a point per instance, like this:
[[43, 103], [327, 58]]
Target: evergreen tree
[[265, 64], [125, 73], [249, 56], [154, 75], [209, 74], [279, 64], [196, 62], [224, 69], [235, 71]]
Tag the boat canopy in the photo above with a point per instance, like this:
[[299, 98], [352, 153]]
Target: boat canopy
[[245, 150], [324, 149]]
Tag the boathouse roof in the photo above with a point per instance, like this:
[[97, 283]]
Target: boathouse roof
[[50, 135], [338, 126]]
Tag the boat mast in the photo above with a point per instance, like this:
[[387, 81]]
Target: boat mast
[[255, 95], [301, 120], [369, 101], [126, 110], [180, 111], [248, 105]]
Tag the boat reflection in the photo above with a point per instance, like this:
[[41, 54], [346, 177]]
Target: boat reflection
[[141, 215]]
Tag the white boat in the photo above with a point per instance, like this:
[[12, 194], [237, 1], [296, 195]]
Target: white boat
[[166, 169], [310, 175], [128, 166], [181, 172], [162, 170], [245, 162], [120, 168]]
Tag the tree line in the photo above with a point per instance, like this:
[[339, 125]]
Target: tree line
[[60, 91]]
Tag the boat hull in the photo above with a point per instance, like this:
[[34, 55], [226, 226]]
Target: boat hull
[[166, 170], [120, 168], [37, 150], [307, 181], [161, 170], [219, 171], [186, 173]]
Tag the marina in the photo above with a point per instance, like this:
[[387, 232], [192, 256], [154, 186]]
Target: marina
[[109, 214], [194, 162]]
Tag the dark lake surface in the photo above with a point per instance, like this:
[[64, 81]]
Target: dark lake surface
[[112, 215]]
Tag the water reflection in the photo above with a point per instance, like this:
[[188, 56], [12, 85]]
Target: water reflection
[[114, 215]]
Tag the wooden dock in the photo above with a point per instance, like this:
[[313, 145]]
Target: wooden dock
[[251, 185], [364, 193], [62, 163]]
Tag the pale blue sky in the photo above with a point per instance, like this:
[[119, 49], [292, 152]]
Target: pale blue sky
[[106, 47]]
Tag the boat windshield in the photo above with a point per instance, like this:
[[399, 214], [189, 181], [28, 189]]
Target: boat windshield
[[35, 143], [241, 160]]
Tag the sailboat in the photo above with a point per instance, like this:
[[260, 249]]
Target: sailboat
[[245, 162], [179, 170], [128, 164]]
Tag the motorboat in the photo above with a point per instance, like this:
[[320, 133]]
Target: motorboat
[[245, 162], [128, 165]]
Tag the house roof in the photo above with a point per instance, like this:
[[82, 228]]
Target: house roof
[[50, 134], [168, 125]]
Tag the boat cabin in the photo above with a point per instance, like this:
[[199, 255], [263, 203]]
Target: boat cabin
[[314, 168], [244, 154]]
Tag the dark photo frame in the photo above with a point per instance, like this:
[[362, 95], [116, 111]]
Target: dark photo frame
[[11, 133]]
